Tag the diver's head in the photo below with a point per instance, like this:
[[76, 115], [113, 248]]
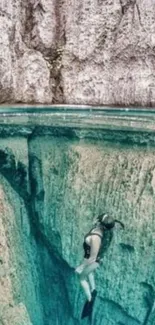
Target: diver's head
[[108, 222]]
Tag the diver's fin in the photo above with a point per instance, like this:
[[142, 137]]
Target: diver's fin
[[88, 306], [86, 310], [94, 294]]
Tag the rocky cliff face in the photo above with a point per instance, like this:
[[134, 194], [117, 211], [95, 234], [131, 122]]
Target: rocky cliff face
[[51, 187], [86, 52]]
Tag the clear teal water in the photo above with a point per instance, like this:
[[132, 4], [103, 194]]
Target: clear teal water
[[60, 167]]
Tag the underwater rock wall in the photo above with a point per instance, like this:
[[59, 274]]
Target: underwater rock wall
[[19, 280], [81, 178], [51, 187], [77, 52]]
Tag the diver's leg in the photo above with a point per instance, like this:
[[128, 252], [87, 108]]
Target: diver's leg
[[91, 279], [83, 279], [89, 289], [80, 270], [89, 268], [86, 287]]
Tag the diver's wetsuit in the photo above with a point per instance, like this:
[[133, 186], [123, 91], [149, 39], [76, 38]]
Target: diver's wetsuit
[[87, 247]]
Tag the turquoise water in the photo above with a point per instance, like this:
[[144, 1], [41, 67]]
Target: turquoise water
[[59, 168]]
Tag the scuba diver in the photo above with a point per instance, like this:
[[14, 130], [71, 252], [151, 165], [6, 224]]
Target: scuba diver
[[95, 244]]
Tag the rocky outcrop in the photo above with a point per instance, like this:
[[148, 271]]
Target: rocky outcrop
[[82, 52], [53, 181]]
